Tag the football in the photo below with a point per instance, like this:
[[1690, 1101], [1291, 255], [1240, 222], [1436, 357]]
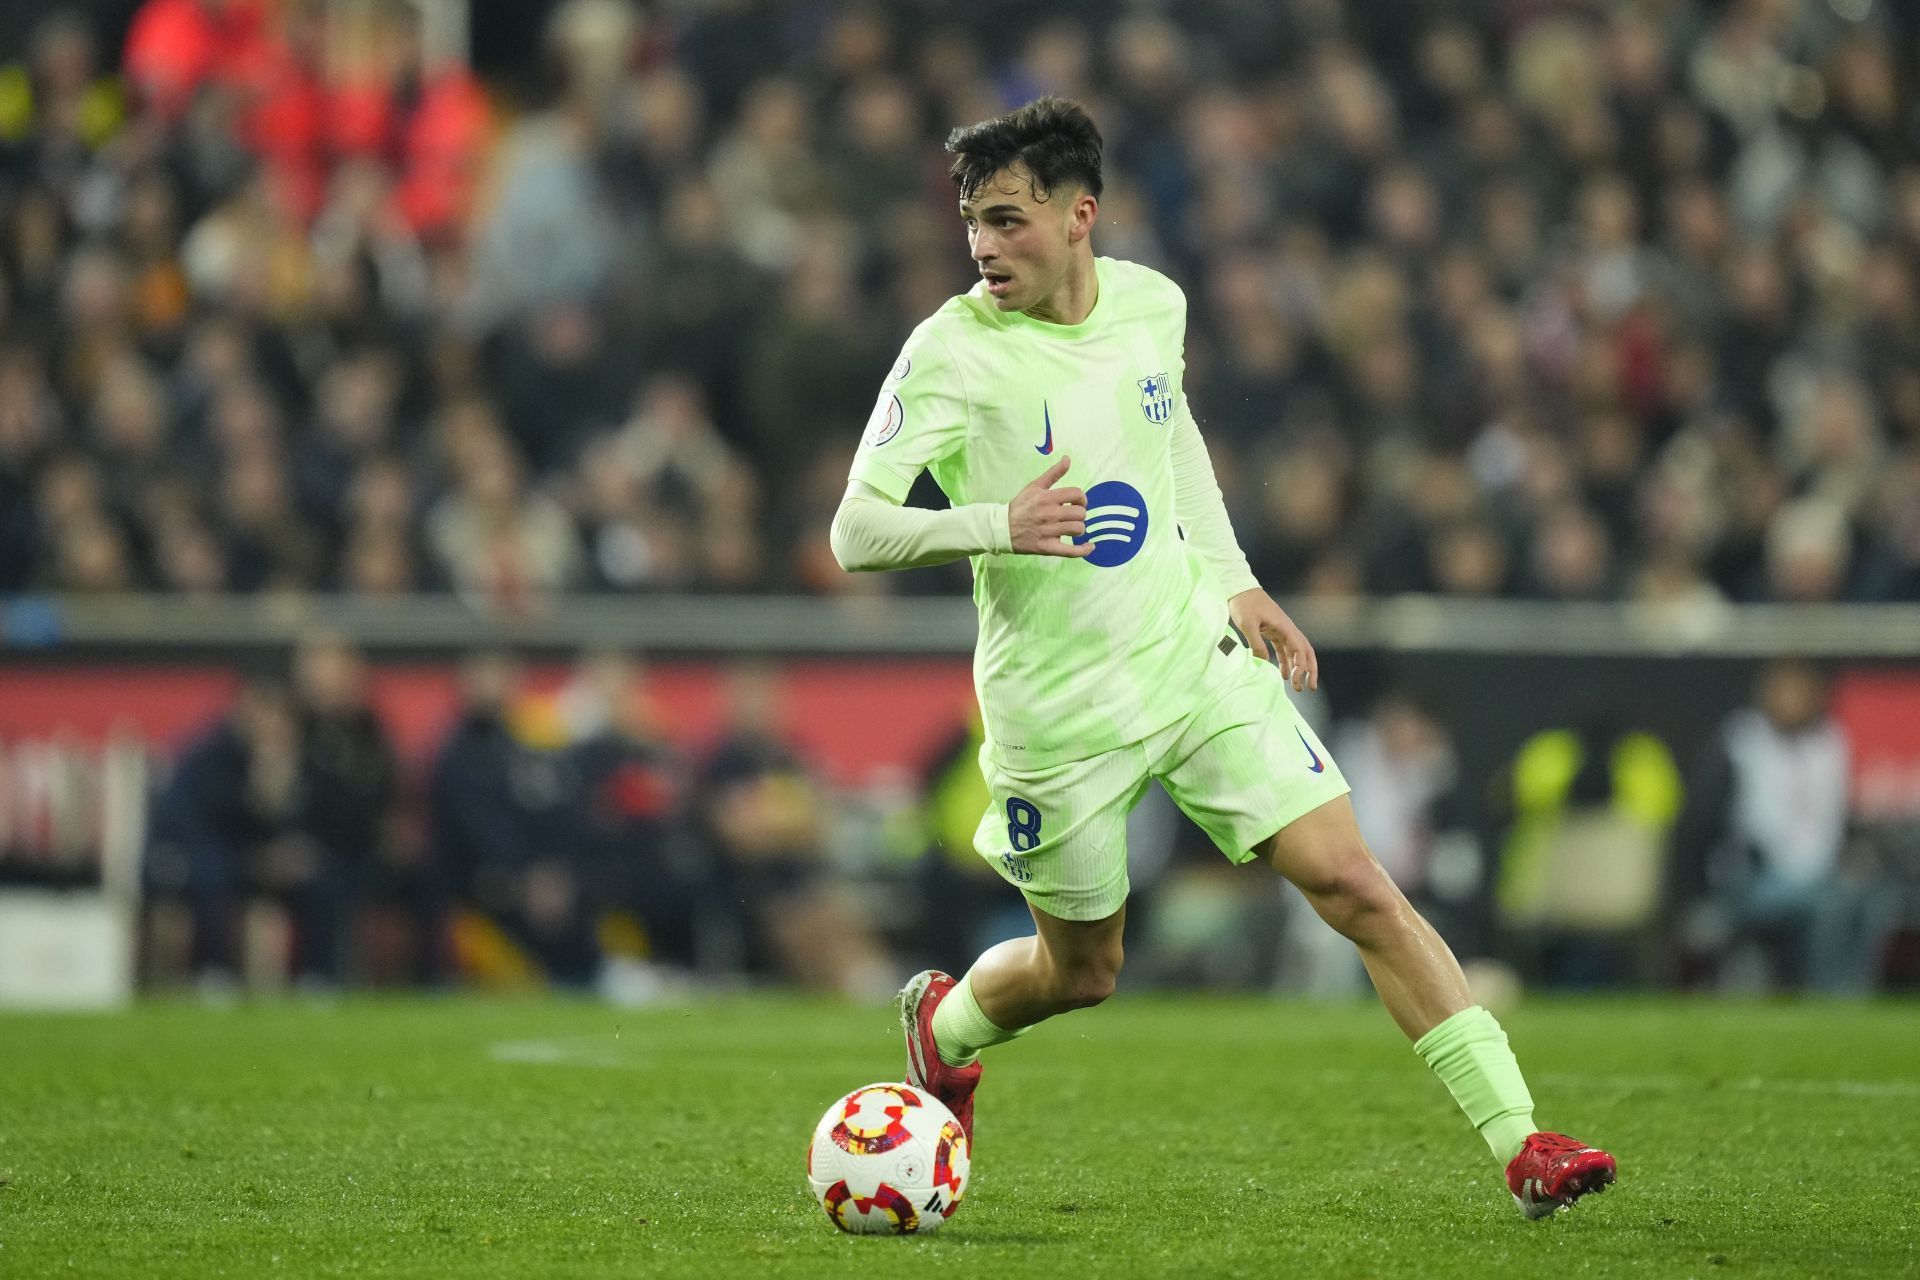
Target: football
[[888, 1159]]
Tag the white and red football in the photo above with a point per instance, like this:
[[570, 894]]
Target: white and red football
[[888, 1159]]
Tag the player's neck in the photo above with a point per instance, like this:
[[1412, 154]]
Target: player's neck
[[1073, 299]]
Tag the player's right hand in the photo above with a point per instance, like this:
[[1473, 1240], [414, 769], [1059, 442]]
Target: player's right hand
[[1041, 517]]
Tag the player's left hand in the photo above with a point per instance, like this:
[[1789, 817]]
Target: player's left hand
[[1271, 634]]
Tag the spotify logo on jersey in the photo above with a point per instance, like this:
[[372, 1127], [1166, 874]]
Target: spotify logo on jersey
[[1116, 523]]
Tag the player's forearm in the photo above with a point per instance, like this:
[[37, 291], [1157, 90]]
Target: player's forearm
[[870, 533], [1203, 512]]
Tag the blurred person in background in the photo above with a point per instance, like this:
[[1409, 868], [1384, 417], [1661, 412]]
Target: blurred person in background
[[1800, 903], [30, 428], [630, 544], [176, 47], [651, 887], [543, 235], [1809, 551], [56, 100], [1403, 763], [1892, 569], [1590, 809], [767, 818], [231, 868], [503, 546], [560, 382], [425, 119], [128, 431], [351, 798], [673, 449], [1571, 558], [694, 294], [90, 546], [353, 423], [186, 556], [1469, 558], [504, 805], [764, 171], [811, 366], [1412, 813], [664, 499], [379, 552]]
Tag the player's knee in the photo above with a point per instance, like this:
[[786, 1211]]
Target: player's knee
[[1086, 990], [1090, 982], [1353, 892]]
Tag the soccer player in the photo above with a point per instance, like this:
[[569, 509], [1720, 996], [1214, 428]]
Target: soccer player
[[1105, 656]]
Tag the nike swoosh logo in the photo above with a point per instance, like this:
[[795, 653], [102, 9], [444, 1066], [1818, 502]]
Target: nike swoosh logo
[[1318, 765], [1048, 446]]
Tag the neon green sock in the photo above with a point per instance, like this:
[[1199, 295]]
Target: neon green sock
[[961, 1031], [1470, 1055]]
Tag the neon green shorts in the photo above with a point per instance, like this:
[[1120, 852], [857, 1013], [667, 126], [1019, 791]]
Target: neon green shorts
[[1242, 765]]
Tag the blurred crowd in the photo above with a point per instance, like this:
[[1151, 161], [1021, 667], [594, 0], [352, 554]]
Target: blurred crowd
[[559, 834], [556, 836], [1568, 300]]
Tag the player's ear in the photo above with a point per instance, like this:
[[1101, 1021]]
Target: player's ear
[[1086, 212]]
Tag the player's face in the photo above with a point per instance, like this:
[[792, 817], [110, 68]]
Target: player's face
[[1023, 246]]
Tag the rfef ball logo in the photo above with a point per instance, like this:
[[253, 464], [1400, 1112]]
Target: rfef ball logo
[[1116, 523]]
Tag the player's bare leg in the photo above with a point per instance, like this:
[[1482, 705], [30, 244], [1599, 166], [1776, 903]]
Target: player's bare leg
[[1067, 964], [1424, 990], [1412, 968]]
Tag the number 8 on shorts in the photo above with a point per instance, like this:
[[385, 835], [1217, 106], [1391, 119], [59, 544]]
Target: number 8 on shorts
[[1023, 824]]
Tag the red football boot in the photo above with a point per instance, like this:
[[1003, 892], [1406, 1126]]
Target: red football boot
[[1554, 1170], [952, 1085]]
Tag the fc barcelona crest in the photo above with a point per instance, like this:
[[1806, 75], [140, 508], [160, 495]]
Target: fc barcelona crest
[[1156, 398]]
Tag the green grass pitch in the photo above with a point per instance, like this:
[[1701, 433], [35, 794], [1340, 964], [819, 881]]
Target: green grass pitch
[[1152, 1137]]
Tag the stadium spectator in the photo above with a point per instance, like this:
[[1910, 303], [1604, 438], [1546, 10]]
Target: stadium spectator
[[546, 235], [766, 172], [175, 47], [765, 819], [423, 119], [56, 105], [503, 808], [231, 869], [1409, 805], [664, 500], [1774, 803], [651, 886], [560, 382], [1405, 772], [1592, 807], [499, 544], [351, 797], [811, 366]]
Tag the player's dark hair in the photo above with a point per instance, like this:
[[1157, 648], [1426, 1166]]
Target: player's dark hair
[[1053, 138]]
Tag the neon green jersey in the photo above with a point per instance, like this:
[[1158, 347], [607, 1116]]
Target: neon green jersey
[[1076, 656]]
